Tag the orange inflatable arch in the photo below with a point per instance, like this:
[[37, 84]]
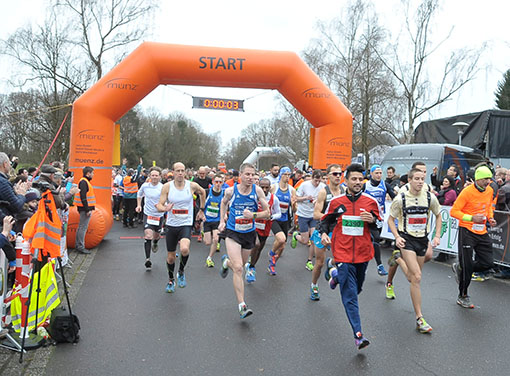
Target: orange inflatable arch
[[153, 64]]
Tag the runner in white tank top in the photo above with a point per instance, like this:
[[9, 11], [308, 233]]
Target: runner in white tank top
[[177, 199]]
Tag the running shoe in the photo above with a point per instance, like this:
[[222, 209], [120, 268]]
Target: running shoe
[[154, 247], [181, 280], [272, 258], [148, 264], [422, 326], [479, 276], [456, 271], [170, 287], [271, 269], [314, 293], [360, 341], [329, 265], [309, 266], [224, 266], [465, 302], [392, 261], [333, 281], [293, 241], [390, 294], [209, 262], [218, 247], [199, 238], [244, 312], [253, 273], [381, 271], [248, 273]]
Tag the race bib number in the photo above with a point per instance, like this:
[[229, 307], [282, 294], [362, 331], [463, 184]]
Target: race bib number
[[243, 224], [180, 212], [478, 226], [153, 220], [417, 222], [212, 212], [284, 207], [260, 224], [352, 225]]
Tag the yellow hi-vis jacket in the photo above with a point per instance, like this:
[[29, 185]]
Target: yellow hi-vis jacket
[[48, 299]]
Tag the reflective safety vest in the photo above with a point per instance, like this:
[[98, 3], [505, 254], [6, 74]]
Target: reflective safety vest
[[44, 228], [91, 198], [130, 187], [48, 299]]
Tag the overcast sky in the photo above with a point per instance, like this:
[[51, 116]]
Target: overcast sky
[[290, 25]]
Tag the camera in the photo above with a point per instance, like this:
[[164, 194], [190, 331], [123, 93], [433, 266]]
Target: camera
[[41, 186]]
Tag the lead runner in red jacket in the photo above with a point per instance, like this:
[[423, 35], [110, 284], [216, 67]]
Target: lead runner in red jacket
[[350, 215]]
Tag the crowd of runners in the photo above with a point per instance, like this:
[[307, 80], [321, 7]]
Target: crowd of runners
[[336, 210]]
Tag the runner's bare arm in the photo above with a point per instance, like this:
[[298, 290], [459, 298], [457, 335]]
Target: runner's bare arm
[[161, 205], [224, 206], [437, 236], [198, 190], [319, 204], [266, 211]]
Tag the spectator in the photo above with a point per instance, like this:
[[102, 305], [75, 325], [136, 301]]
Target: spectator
[[452, 171], [47, 181], [5, 242], [12, 197], [85, 200], [503, 188], [504, 194], [31, 173], [392, 179], [23, 172], [447, 195]]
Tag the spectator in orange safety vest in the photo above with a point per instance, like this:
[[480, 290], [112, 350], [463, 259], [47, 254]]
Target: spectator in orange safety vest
[[85, 200]]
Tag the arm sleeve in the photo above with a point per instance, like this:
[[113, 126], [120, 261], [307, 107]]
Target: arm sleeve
[[141, 191], [458, 206], [275, 209], [390, 191]]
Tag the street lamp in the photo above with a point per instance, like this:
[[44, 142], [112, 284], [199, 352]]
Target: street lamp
[[461, 126]]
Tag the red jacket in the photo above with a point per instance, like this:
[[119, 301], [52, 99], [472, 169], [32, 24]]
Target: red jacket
[[351, 241]]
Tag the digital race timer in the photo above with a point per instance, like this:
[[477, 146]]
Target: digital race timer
[[218, 104]]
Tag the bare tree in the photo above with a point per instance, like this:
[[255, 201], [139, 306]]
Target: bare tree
[[108, 26], [353, 69], [410, 69]]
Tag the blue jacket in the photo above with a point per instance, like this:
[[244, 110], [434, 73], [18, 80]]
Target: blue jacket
[[14, 202]]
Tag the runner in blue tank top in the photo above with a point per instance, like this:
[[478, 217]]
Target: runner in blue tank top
[[243, 199], [378, 188], [286, 194], [212, 217]]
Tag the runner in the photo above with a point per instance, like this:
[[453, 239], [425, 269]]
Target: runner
[[350, 217], [263, 228], [243, 199], [152, 218], [378, 189], [473, 208], [212, 217], [205, 182], [274, 175], [286, 195], [395, 260], [306, 196], [412, 209], [326, 194], [177, 199]]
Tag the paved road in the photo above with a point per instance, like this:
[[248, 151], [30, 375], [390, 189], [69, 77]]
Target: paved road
[[131, 326]]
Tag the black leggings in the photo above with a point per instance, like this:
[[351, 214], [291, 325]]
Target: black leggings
[[482, 246], [129, 210]]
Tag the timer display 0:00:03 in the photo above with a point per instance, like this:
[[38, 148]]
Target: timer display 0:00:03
[[215, 103]]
